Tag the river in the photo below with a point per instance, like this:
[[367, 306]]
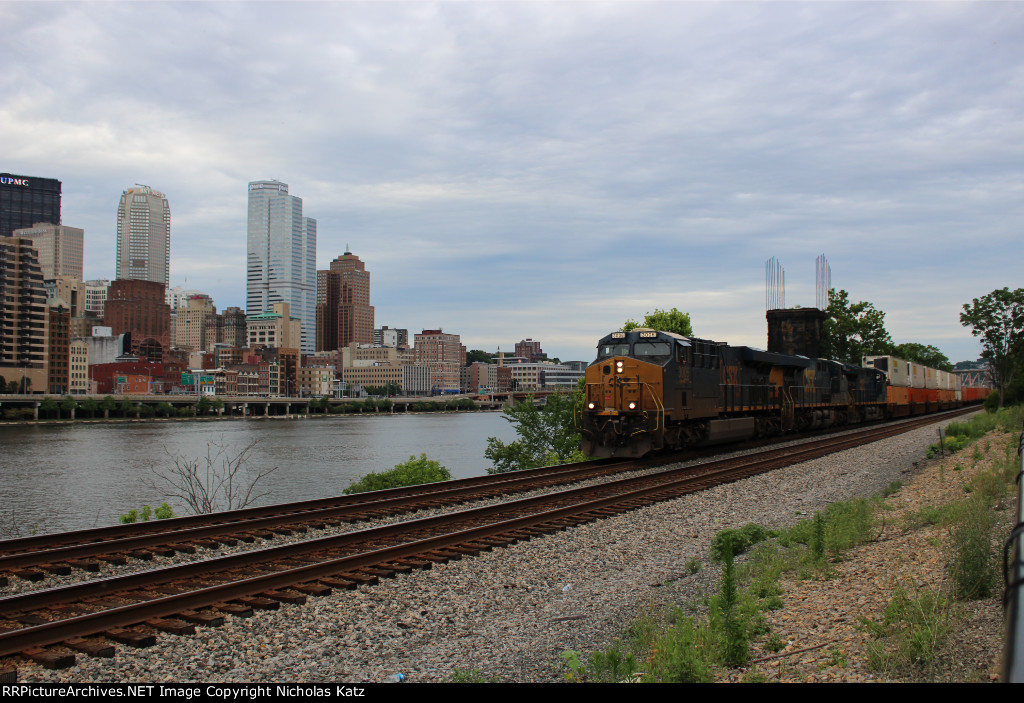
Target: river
[[55, 478]]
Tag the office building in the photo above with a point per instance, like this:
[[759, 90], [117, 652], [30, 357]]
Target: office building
[[26, 200], [281, 265], [23, 315], [144, 236], [274, 328], [343, 311], [59, 248], [445, 355], [137, 310]]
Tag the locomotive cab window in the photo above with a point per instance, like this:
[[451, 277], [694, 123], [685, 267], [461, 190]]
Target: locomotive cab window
[[608, 350], [654, 352]]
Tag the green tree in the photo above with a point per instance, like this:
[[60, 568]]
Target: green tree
[[998, 319], [69, 406], [49, 407], [923, 354], [89, 405], [853, 330], [664, 320], [409, 473], [547, 435], [478, 355], [107, 404]]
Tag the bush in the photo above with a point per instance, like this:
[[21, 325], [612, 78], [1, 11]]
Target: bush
[[162, 513], [410, 473], [737, 541]]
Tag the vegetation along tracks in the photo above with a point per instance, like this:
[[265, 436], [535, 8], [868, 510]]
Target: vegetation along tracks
[[166, 599]]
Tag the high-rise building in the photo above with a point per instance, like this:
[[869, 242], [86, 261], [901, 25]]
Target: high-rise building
[[59, 248], [144, 236], [281, 264], [26, 200], [23, 315], [343, 311]]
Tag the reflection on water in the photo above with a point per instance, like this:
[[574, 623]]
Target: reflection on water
[[68, 477]]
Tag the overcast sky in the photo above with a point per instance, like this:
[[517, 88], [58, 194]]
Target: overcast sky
[[547, 170]]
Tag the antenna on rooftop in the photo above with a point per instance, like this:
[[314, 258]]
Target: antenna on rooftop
[[774, 285], [822, 282]]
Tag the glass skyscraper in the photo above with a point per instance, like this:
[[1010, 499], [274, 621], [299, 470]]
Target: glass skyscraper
[[26, 201], [281, 264]]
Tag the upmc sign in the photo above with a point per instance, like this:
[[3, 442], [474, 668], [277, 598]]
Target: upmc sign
[[14, 181]]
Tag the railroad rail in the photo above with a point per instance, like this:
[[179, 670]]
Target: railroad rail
[[175, 598]]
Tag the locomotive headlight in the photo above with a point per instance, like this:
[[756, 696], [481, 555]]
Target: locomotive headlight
[[632, 406], [591, 405], [618, 367]]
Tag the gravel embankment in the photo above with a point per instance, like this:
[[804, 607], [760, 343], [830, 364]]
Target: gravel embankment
[[510, 612]]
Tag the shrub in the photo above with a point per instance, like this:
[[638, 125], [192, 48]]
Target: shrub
[[410, 473], [161, 513], [737, 541]]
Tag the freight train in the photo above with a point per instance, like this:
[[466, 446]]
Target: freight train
[[650, 390]]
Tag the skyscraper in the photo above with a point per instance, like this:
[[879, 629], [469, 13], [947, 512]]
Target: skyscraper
[[282, 256], [26, 200], [144, 235], [343, 311]]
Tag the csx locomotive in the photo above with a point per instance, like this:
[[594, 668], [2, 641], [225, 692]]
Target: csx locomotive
[[651, 390]]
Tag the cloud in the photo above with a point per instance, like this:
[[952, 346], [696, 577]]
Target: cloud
[[546, 170]]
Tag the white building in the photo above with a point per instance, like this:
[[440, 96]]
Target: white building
[[281, 264], [144, 235]]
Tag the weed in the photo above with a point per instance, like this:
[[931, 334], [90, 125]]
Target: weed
[[910, 633], [755, 676], [612, 665], [891, 489], [693, 566], [738, 541], [971, 552], [774, 643], [470, 676]]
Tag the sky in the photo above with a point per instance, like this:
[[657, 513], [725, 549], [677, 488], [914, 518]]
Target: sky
[[547, 170]]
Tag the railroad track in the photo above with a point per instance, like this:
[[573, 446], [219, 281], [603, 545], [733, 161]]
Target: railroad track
[[31, 558], [174, 599]]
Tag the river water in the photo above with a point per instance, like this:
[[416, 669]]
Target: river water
[[55, 478]]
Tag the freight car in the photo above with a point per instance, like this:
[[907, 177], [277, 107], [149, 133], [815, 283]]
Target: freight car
[[650, 390]]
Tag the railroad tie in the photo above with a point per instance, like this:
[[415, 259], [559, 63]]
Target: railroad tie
[[285, 597], [132, 638], [344, 584], [207, 619], [259, 603], [48, 658], [172, 626], [92, 647], [236, 609], [313, 589], [8, 674]]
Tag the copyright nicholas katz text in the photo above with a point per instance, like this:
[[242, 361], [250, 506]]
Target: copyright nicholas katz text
[[218, 692]]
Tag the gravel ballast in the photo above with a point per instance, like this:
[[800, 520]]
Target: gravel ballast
[[508, 613]]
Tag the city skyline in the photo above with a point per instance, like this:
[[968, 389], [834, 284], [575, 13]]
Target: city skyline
[[549, 170]]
